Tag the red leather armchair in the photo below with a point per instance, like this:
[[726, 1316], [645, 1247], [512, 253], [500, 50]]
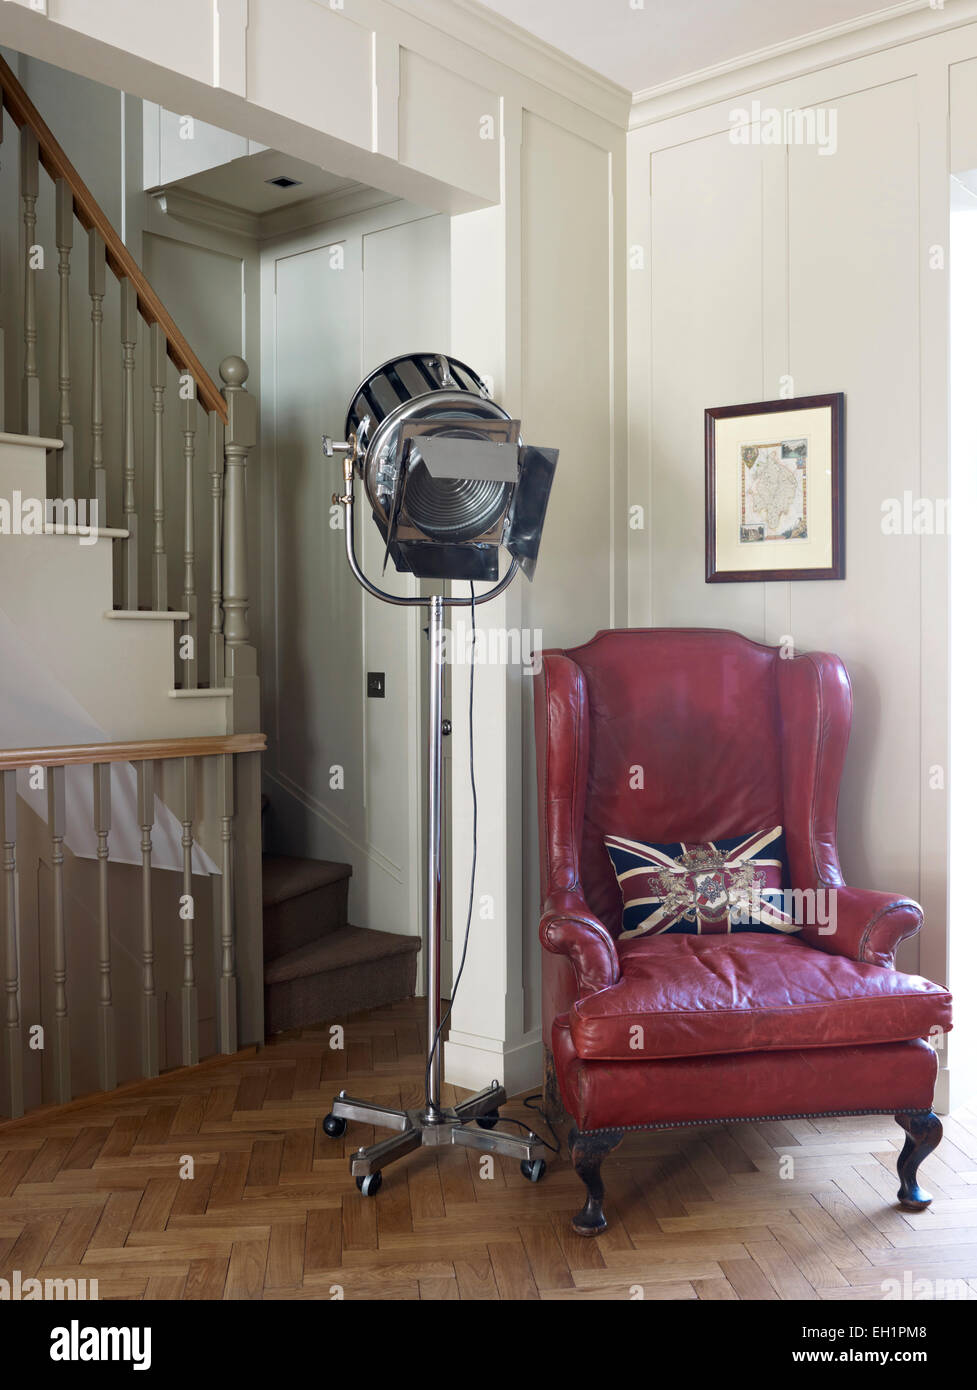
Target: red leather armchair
[[729, 738]]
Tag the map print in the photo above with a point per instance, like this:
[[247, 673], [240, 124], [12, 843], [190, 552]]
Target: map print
[[773, 491]]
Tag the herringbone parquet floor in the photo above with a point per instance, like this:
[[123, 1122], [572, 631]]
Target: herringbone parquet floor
[[95, 1192]]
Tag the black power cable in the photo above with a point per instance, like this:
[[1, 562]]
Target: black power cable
[[538, 1110], [556, 1147]]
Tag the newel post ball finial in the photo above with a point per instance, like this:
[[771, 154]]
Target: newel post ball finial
[[234, 371]]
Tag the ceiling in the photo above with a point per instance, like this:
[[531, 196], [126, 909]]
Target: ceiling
[[643, 43], [242, 183]]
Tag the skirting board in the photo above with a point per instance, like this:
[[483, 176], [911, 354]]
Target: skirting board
[[950, 1094], [473, 1062]]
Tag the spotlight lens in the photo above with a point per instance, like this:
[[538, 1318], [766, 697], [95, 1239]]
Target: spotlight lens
[[457, 509]]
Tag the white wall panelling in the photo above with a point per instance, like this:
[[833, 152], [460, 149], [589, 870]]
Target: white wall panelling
[[541, 278], [766, 260], [448, 126]]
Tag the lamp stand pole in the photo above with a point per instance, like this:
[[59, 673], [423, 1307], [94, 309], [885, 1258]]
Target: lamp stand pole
[[435, 777], [433, 1124]]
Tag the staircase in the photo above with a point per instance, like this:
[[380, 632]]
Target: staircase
[[129, 697], [317, 966], [130, 757]]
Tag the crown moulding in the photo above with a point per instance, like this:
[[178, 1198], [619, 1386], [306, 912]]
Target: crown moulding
[[872, 33]]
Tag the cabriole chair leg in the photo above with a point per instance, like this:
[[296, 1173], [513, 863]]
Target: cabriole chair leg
[[588, 1152], [923, 1133]]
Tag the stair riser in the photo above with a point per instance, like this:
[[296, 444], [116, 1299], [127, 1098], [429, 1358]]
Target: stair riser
[[300, 921], [334, 994], [23, 465], [55, 591]]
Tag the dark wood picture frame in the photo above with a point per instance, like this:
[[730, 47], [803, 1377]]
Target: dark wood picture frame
[[835, 401]]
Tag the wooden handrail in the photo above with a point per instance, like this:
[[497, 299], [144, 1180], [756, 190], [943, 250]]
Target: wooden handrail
[[140, 751], [118, 257]]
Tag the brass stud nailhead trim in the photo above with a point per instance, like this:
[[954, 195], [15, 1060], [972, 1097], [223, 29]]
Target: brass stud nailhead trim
[[756, 1119]]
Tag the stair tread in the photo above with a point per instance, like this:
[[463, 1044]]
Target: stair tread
[[174, 615], [284, 876], [7, 438], [342, 947]]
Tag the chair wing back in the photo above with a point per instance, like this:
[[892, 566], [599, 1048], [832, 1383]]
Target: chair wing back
[[667, 734]]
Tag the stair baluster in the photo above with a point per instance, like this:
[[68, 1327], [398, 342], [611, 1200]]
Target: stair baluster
[[227, 985], [102, 799], [129, 317], [157, 370], [62, 1042], [28, 195], [3, 417], [64, 229], [13, 1053], [96, 293], [216, 467], [146, 800], [18, 1083], [190, 1031], [189, 542]]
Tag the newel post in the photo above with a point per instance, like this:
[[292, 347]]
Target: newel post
[[241, 968], [240, 433]]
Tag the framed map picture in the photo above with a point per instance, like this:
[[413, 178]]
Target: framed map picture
[[774, 490]]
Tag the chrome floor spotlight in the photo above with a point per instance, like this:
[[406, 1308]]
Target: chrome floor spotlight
[[449, 482]]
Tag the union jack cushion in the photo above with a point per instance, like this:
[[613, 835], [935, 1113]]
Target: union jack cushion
[[703, 889]]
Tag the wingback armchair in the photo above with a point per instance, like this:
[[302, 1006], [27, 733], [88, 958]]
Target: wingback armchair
[[692, 735]]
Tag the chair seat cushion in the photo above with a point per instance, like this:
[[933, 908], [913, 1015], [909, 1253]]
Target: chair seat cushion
[[683, 996], [667, 1091]]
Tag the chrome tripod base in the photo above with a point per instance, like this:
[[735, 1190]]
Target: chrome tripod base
[[432, 1128]]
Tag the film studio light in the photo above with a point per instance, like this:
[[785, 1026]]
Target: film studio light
[[450, 484], [444, 470]]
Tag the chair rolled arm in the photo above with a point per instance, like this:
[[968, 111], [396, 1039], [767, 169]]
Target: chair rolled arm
[[863, 924], [567, 927]]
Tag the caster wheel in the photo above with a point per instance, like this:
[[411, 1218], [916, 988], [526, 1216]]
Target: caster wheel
[[488, 1120], [532, 1169], [370, 1185], [334, 1126]]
